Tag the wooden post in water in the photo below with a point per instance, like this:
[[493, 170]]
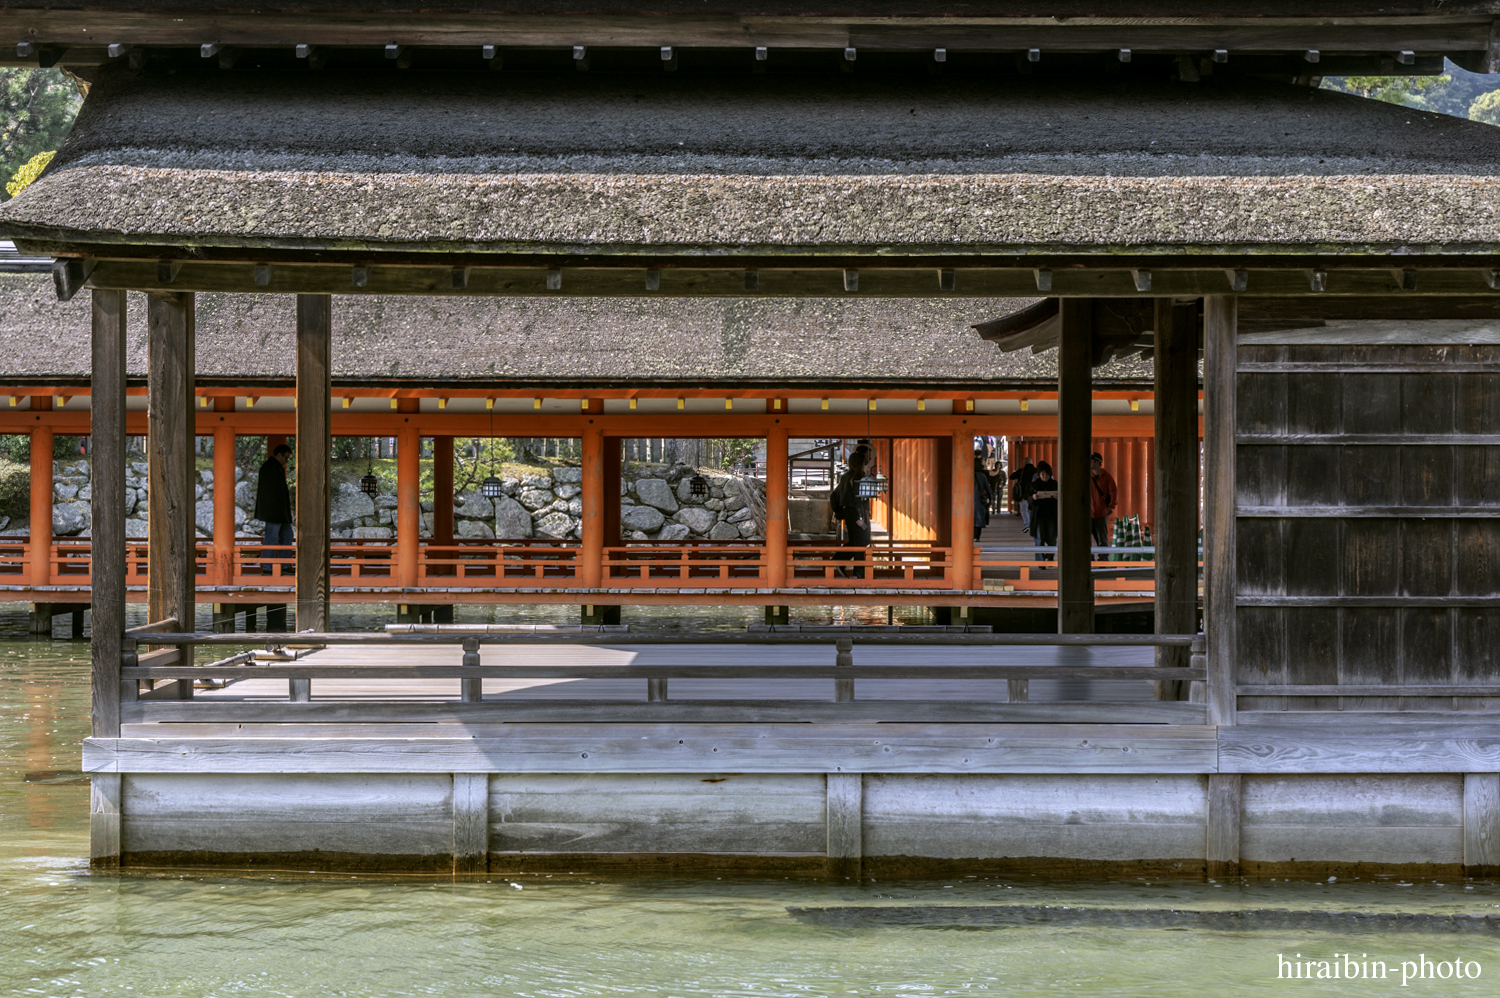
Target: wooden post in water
[[776, 507], [39, 546], [1176, 482], [314, 452], [408, 504], [591, 554], [1075, 582], [172, 562], [1219, 584]]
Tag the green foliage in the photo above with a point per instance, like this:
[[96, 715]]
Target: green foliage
[[15, 489], [37, 107], [1457, 92], [15, 448], [1486, 108], [28, 172]]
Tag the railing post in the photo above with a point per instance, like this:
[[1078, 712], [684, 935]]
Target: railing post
[[41, 497], [471, 690], [843, 689], [656, 691]]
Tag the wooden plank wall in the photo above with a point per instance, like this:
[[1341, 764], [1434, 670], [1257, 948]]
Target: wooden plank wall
[[915, 497], [1369, 521]]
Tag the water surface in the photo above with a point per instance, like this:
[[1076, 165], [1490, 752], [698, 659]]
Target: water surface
[[65, 931]]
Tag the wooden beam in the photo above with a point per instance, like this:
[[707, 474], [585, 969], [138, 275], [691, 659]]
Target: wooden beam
[[1075, 586], [107, 505], [1224, 802], [314, 452], [1175, 481], [1219, 533], [845, 817], [104, 819], [408, 504], [1108, 277], [776, 506], [171, 472]]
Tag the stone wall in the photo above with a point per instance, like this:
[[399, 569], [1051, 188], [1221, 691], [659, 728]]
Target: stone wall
[[656, 503]]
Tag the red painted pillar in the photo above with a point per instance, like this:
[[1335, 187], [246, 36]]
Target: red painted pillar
[[776, 507], [442, 490], [40, 546], [408, 504], [591, 555], [961, 487], [221, 571]]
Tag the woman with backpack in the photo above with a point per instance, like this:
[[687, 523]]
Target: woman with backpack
[[852, 511]]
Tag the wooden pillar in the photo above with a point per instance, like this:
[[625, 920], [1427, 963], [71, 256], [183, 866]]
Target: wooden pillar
[[39, 546], [107, 527], [592, 553], [610, 530], [1075, 586], [1145, 478], [314, 451], [776, 507], [408, 504], [1176, 474], [222, 571], [961, 517], [1219, 534], [442, 490], [171, 528]]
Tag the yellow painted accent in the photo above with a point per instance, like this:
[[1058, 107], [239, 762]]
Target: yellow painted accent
[[729, 403], [681, 403], [346, 401], [1135, 405], [632, 403], [921, 405], [442, 403], [535, 404], [872, 405], [1025, 404], [825, 403]]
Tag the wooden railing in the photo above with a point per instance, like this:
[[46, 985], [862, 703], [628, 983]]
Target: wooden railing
[[465, 701], [548, 563]]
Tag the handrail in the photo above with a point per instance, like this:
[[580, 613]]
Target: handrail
[[587, 671], [1193, 641], [170, 624]]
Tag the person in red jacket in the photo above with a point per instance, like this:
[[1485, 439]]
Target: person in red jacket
[[1104, 496]]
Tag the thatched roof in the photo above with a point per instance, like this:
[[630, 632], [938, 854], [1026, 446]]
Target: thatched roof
[[584, 341], [763, 167]]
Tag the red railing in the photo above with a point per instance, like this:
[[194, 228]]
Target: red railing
[[685, 564]]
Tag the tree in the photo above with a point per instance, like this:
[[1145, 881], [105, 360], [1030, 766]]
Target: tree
[[37, 107], [28, 172], [1455, 92], [1486, 108]]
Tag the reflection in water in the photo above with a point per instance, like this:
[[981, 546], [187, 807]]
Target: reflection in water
[[64, 931]]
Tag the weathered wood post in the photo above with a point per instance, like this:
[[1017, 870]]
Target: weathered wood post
[[1176, 482], [408, 505], [172, 541], [591, 553], [961, 506], [1219, 584], [471, 690], [1075, 580], [314, 451], [776, 507], [39, 546], [843, 658], [107, 561]]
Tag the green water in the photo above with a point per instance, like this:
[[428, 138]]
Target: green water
[[67, 932]]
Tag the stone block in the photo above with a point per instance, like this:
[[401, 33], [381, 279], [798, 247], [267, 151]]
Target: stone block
[[512, 519], [244, 495], [556, 525], [385, 502], [575, 508], [473, 530], [349, 503], [373, 533], [473, 506], [740, 516], [750, 530], [571, 476], [656, 492], [723, 532], [62, 492], [641, 518], [203, 516], [139, 528], [697, 519], [567, 491], [538, 481], [674, 532], [70, 518]]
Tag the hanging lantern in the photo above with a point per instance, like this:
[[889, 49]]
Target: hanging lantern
[[873, 485], [698, 485], [369, 485], [491, 488]]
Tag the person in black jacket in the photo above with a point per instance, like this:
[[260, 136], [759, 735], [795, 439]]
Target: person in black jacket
[[273, 506], [852, 511], [1044, 508]]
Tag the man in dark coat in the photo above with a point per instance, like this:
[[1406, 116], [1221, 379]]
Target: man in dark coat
[[273, 506]]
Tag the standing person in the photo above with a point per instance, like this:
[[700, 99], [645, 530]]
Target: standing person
[[1044, 508], [982, 496], [273, 505], [1104, 496], [852, 511], [1022, 476]]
